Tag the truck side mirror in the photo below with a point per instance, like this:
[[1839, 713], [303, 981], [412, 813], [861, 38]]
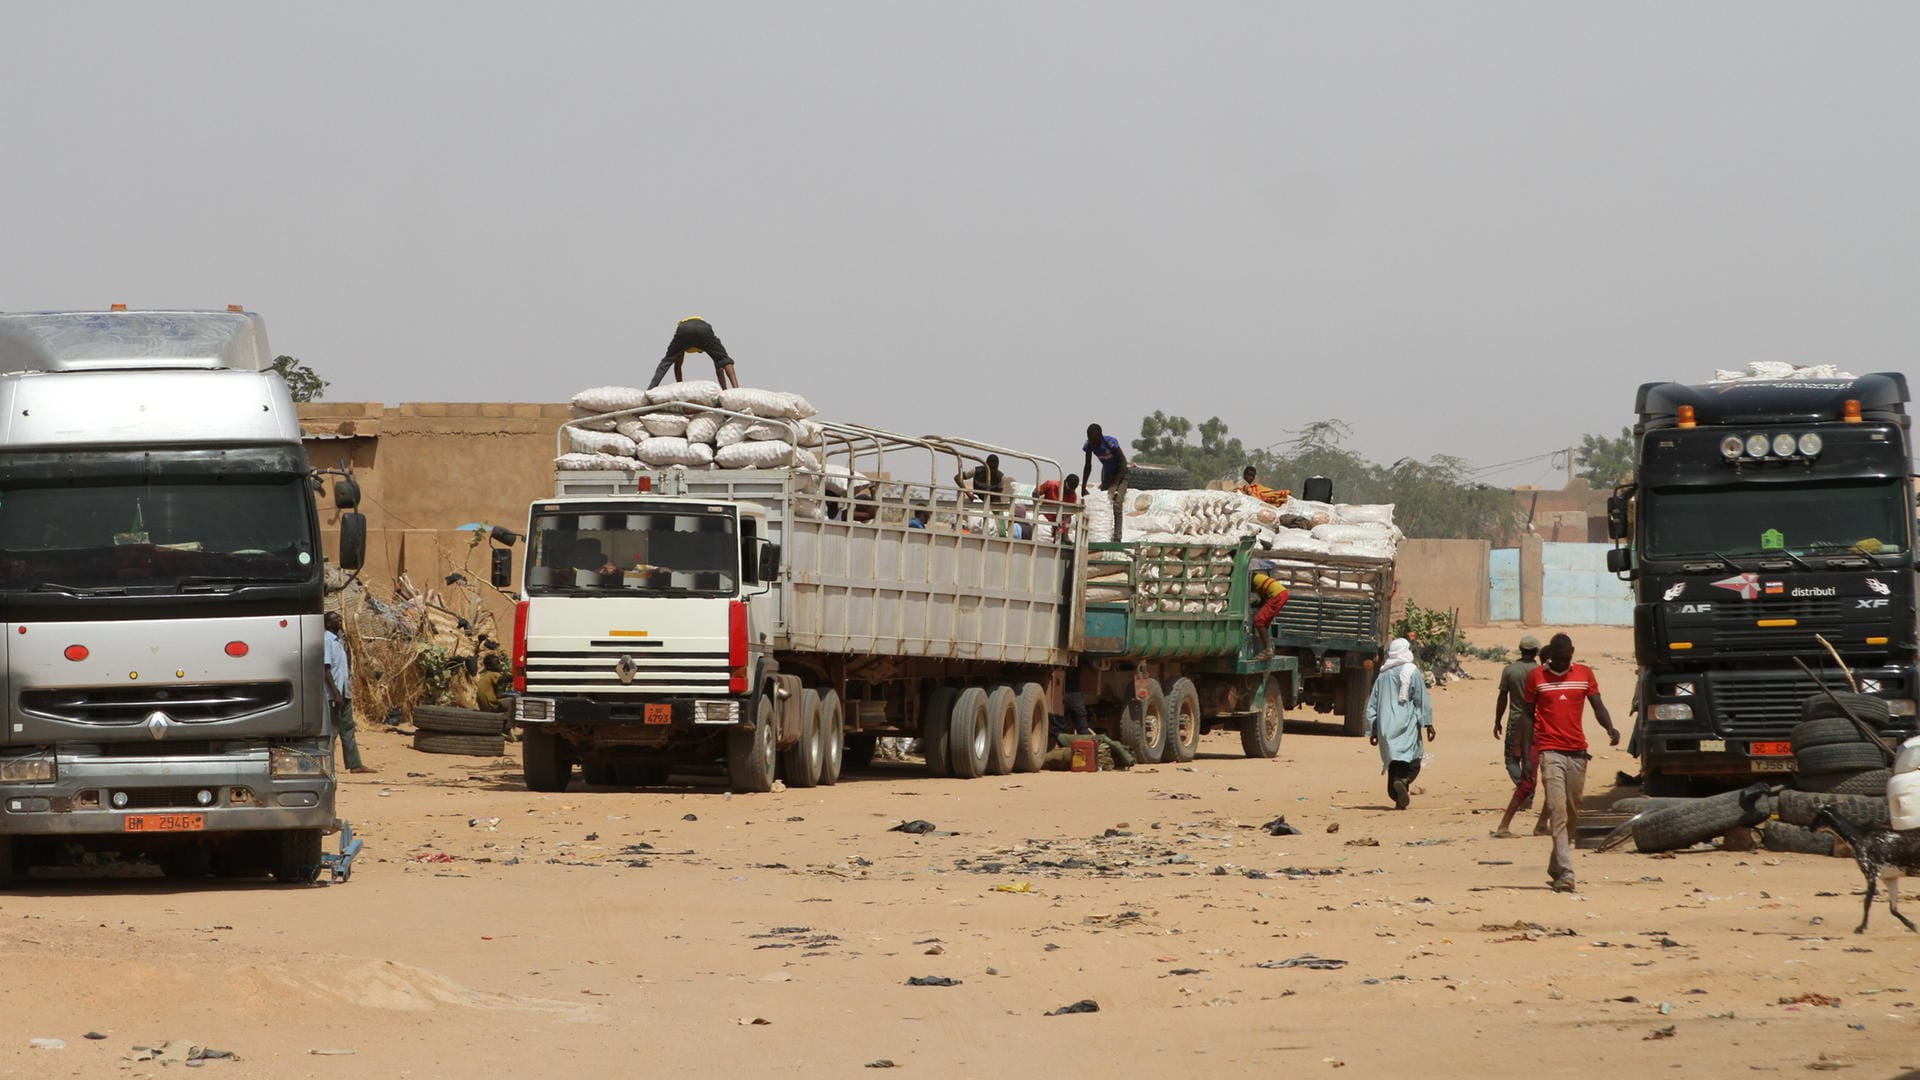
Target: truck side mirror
[[1620, 560], [770, 563], [501, 572], [1616, 517], [346, 493], [353, 541]]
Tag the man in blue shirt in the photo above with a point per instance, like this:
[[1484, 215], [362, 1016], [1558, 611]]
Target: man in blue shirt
[[1113, 469], [340, 694]]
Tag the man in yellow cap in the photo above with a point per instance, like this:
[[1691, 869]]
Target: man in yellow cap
[[695, 334]]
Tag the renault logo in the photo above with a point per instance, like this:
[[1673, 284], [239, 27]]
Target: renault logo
[[626, 669], [157, 724]]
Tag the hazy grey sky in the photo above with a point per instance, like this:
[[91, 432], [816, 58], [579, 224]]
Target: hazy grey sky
[[1469, 228]]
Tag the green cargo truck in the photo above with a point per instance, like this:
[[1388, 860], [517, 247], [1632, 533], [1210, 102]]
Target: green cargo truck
[[1335, 626]]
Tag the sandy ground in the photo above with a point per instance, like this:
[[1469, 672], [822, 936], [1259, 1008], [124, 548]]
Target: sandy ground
[[686, 932]]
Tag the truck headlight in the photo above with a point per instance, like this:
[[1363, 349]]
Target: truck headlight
[[1672, 712], [533, 710], [287, 763], [1900, 707], [37, 769]]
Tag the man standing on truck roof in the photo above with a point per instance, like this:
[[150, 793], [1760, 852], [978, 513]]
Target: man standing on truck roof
[[1559, 691], [1113, 469], [1523, 763], [340, 693], [695, 334]]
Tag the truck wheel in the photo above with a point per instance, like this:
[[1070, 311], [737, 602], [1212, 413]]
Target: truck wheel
[[296, 856], [1143, 725], [860, 751], [1183, 721], [1260, 735], [833, 737], [1003, 729], [936, 722], [1839, 758], [545, 761], [800, 763], [1357, 688], [600, 773], [750, 755], [1863, 811], [967, 734], [1033, 728], [451, 721]]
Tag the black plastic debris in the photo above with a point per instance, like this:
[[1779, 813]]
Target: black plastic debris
[[1084, 1005], [689, 817], [1305, 960], [915, 827], [1279, 827], [932, 980]]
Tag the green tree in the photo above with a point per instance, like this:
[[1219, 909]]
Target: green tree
[[1166, 440], [302, 382], [1605, 462]]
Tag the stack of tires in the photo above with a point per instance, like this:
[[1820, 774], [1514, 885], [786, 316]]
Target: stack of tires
[[1674, 824], [442, 729], [1834, 765]]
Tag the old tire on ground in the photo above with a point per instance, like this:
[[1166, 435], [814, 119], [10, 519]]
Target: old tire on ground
[[433, 742], [600, 773], [1838, 758], [1144, 477], [1871, 709], [1865, 811], [1260, 733], [452, 721], [1003, 729], [1143, 725], [1864, 782], [296, 856], [1357, 689], [967, 734], [800, 763], [1032, 705], [750, 754], [936, 723], [1780, 836], [1826, 731], [1183, 720], [1700, 819], [833, 737], [545, 762], [860, 751]]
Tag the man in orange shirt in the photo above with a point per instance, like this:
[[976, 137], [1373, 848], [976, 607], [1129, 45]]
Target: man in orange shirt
[[1559, 691]]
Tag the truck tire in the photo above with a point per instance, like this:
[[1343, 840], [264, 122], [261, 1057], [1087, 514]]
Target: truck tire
[[750, 753], [860, 751], [1003, 729], [1865, 706], [1798, 839], [1865, 782], [1826, 731], [599, 774], [936, 723], [432, 742], [1358, 688], [545, 762], [1143, 725], [452, 721], [1183, 720], [1034, 732], [1865, 811], [967, 735], [800, 763], [1701, 819], [1839, 758], [833, 737], [1144, 477], [1260, 734], [296, 856]]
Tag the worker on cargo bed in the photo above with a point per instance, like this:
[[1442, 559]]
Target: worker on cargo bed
[[1396, 711], [1052, 492], [1559, 691], [1250, 485], [1113, 469], [1273, 594], [695, 335], [1523, 761]]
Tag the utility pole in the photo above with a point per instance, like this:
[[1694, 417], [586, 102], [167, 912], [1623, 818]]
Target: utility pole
[[1569, 482]]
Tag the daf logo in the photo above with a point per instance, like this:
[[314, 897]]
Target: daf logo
[[157, 724], [1696, 609], [1673, 591], [1879, 586], [626, 669], [1871, 602]]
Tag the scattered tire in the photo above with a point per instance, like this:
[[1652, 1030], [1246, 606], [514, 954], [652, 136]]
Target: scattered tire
[[800, 763], [936, 725], [1839, 758], [546, 763], [750, 753], [451, 721], [1260, 734], [1003, 729], [833, 737], [1798, 839], [967, 734], [1871, 709], [1827, 731], [1698, 820], [1865, 782], [1183, 721], [1357, 688], [1865, 811], [471, 745], [296, 856], [860, 751], [1033, 728], [1143, 725], [1144, 477]]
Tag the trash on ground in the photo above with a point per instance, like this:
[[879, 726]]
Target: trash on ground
[[1305, 960], [916, 827], [932, 980], [1085, 1005]]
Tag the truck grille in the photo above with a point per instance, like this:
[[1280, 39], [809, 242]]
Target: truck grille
[[1763, 705], [182, 704], [1319, 618], [1735, 632], [653, 673]]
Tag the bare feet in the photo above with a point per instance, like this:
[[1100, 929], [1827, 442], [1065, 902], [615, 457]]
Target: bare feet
[[363, 769], [1502, 834]]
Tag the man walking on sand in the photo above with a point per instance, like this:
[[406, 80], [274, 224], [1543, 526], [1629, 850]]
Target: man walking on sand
[[1523, 762], [1559, 691], [1396, 711]]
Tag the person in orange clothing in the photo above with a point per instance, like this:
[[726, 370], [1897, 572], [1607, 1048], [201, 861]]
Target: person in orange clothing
[[1250, 485], [1273, 592]]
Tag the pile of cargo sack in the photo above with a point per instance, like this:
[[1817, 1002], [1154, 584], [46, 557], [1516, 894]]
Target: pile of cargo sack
[[1296, 527], [776, 432]]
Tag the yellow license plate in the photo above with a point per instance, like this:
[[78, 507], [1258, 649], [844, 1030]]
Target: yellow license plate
[[658, 714], [165, 822], [1772, 765]]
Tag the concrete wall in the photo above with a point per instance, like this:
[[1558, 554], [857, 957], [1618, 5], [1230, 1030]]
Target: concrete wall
[[1443, 575]]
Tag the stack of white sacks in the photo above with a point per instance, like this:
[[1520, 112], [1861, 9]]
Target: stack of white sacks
[[1776, 371], [779, 434], [1227, 517]]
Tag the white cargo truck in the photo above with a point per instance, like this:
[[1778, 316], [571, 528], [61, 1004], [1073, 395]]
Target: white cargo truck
[[772, 620]]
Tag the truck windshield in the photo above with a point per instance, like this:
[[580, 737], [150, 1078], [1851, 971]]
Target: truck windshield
[[678, 553], [1813, 519], [153, 536]]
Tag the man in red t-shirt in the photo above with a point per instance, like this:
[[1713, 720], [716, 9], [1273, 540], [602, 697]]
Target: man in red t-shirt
[[1051, 492], [1559, 691]]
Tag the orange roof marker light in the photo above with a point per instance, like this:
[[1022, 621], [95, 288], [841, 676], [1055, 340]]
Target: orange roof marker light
[[1850, 411], [236, 308], [1685, 415], [117, 307]]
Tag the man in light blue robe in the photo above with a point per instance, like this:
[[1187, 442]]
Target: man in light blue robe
[[1396, 711]]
